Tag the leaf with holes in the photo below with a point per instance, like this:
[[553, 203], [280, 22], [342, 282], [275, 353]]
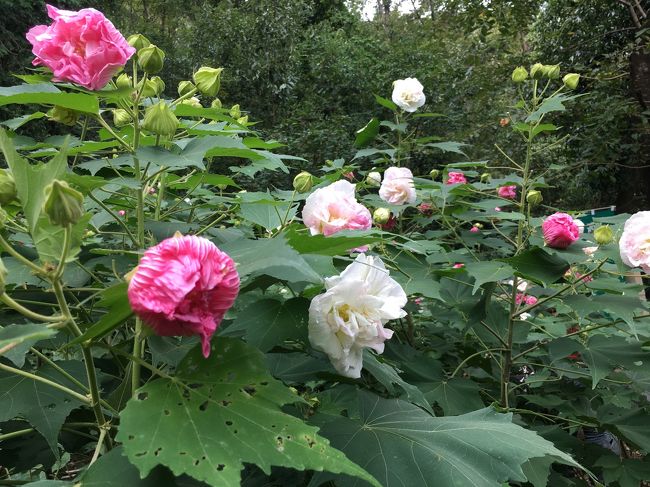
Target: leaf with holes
[[220, 413]]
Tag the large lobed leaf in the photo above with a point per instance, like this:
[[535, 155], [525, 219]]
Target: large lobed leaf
[[219, 413]]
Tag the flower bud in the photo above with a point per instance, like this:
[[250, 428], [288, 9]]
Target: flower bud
[[185, 87], [552, 71], [242, 120], [64, 115], [478, 225], [193, 102], [534, 197], [537, 71], [235, 111], [373, 179], [434, 173], [121, 117], [124, 81], [303, 182], [519, 75], [571, 80], [7, 187], [160, 119], [603, 235], [208, 80], [151, 59], [152, 87], [63, 205], [138, 41], [216, 103], [485, 177], [381, 216], [3, 276]]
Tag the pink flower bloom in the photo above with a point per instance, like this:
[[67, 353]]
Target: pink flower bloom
[[458, 266], [456, 178], [334, 208], [509, 192], [348, 175], [418, 301], [82, 47], [121, 212], [184, 286], [497, 209], [560, 231], [583, 278], [520, 298], [634, 244], [152, 190], [474, 229], [397, 187], [530, 300]]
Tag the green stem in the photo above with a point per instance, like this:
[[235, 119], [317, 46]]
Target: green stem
[[43, 380], [116, 217], [467, 359], [15, 434], [110, 130], [67, 234], [11, 251], [4, 297]]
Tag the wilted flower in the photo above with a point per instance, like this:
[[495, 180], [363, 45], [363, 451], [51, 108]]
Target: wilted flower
[[425, 208], [82, 47], [456, 178], [635, 242], [334, 208], [351, 314], [184, 286], [397, 187], [560, 230], [504, 122], [408, 94], [508, 192]]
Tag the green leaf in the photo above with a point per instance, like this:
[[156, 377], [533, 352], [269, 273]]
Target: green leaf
[[627, 472], [551, 104], [49, 238], [337, 244], [488, 271], [448, 146], [367, 134], [269, 322], [218, 414], [454, 396], [18, 122], [48, 94], [632, 424], [28, 332], [113, 469], [538, 266], [402, 445], [293, 368], [385, 103], [605, 353], [268, 214]]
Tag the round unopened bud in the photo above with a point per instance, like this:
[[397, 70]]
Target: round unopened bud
[[216, 103], [603, 235], [434, 173], [151, 59], [381, 216], [185, 87], [193, 102], [121, 117], [537, 71], [124, 81], [7, 187], [534, 197], [153, 86], [160, 119], [373, 179], [242, 120], [485, 177], [478, 225], [208, 80], [571, 80], [235, 111], [303, 182], [552, 71], [138, 41], [519, 75], [63, 205], [64, 115]]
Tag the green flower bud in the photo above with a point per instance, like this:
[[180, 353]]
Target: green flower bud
[[208, 80], [124, 81], [185, 87], [478, 225], [151, 59], [193, 102], [534, 197], [434, 173], [216, 103], [571, 80], [235, 111], [603, 235], [159, 84], [303, 182], [138, 41], [381, 216], [160, 119], [519, 75], [537, 71], [63, 205], [485, 177], [373, 179], [150, 88], [7, 187], [552, 71], [121, 117], [3, 276], [242, 120], [64, 115]]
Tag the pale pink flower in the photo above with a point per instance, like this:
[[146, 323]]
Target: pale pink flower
[[634, 244], [590, 250], [497, 209], [474, 229], [560, 230], [348, 175], [397, 187], [121, 212], [334, 208], [82, 47], [456, 178], [508, 192], [184, 286], [458, 266]]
